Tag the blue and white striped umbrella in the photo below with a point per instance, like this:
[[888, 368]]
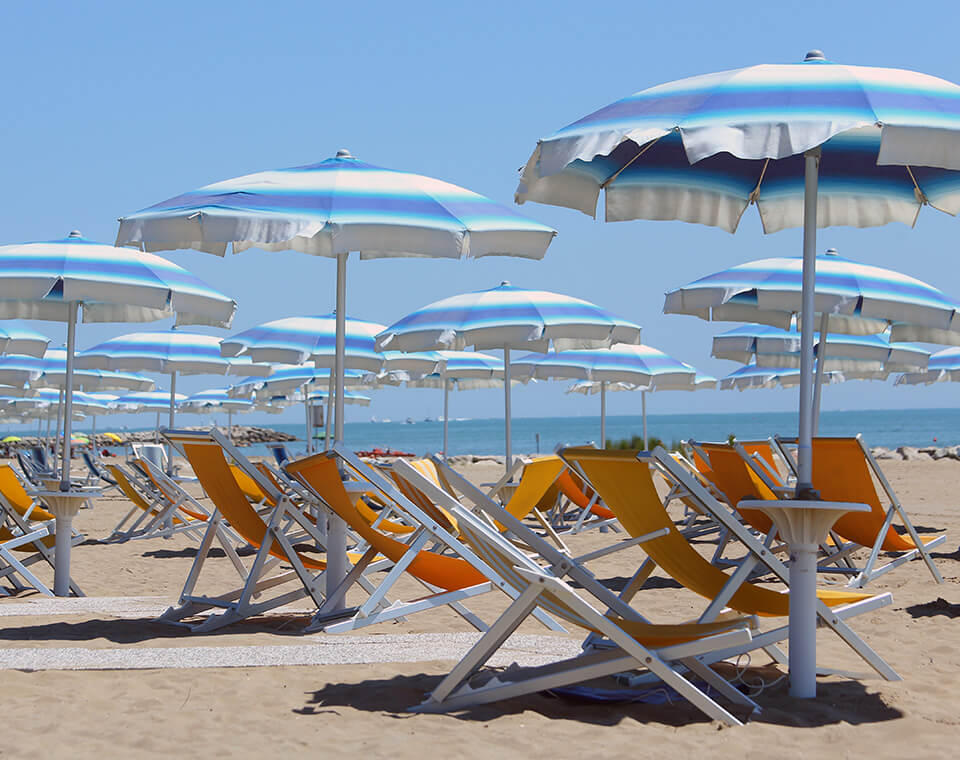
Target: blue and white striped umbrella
[[507, 317], [18, 371], [213, 399], [166, 352], [642, 366], [288, 377], [752, 377], [172, 352], [333, 208], [885, 142], [703, 149], [773, 347], [43, 280], [147, 401], [54, 364], [511, 317], [295, 340], [62, 280], [943, 367], [858, 299], [17, 339]]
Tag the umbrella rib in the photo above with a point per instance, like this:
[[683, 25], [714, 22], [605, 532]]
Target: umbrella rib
[[755, 193], [619, 171]]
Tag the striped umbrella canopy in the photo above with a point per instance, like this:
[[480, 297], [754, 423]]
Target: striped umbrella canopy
[[943, 367], [147, 401], [54, 364], [507, 317], [854, 298], [815, 143], [331, 209], [62, 280], [295, 340], [17, 339], [290, 377], [774, 347], [17, 371], [643, 366], [172, 352], [752, 377], [215, 398]]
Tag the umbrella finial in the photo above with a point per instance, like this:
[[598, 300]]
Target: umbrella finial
[[831, 252], [75, 234], [344, 153], [815, 55]]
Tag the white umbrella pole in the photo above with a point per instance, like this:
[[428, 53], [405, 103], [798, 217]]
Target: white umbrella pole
[[805, 443], [57, 448], [172, 419], [506, 405], [229, 425], [307, 422], [156, 430], [93, 431], [328, 422], [821, 361], [446, 412], [603, 414], [643, 408], [336, 529], [64, 523]]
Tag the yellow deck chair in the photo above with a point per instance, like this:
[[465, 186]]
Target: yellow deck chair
[[450, 579], [736, 480], [273, 535], [636, 643], [627, 487], [152, 515], [844, 470]]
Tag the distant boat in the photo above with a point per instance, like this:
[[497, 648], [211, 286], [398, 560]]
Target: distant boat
[[408, 421], [428, 419]]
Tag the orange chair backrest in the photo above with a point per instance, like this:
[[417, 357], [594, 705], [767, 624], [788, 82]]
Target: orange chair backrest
[[735, 479]]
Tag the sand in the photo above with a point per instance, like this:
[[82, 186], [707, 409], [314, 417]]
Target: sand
[[98, 677]]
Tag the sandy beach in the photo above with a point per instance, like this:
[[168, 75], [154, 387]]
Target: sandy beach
[[97, 676]]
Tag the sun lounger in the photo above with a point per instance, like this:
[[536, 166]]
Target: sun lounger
[[97, 473], [634, 643], [449, 579], [845, 470], [155, 512], [626, 485]]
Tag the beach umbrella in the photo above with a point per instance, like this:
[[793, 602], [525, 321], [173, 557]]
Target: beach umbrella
[[147, 401], [943, 367], [214, 400], [752, 377], [857, 356], [507, 317], [700, 382], [17, 370], [63, 279], [169, 352], [814, 144], [457, 370], [642, 366], [54, 365], [331, 209], [295, 340], [17, 339]]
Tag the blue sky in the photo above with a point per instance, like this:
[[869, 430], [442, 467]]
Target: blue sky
[[109, 107]]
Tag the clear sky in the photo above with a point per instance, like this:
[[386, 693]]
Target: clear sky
[[113, 106]]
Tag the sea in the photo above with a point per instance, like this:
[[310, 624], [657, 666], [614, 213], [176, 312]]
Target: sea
[[881, 427]]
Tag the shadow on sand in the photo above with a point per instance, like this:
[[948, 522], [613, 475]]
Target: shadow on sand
[[137, 630], [938, 606], [837, 702]]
